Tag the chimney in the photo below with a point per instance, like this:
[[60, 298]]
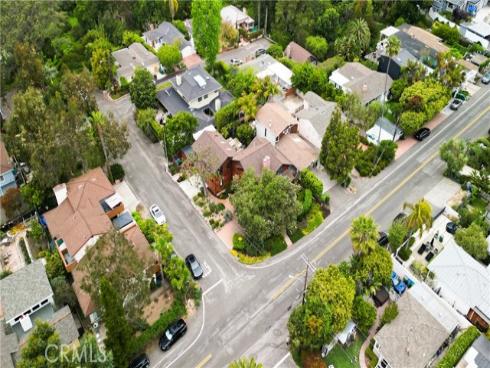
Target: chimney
[[266, 162], [217, 104], [60, 192], [178, 79], [364, 87], [244, 10]]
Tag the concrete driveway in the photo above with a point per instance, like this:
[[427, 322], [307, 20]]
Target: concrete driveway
[[246, 52]]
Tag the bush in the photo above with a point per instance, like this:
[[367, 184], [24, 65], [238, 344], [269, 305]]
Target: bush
[[308, 180], [307, 202], [228, 216], [405, 253], [54, 264], [36, 231], [25, 253], [376, 158], [364, 314], [5, 273], [117, 172], [239, 242], [275, 245], [458, 348], [275, 50], [411, 121], [326, 198], [313, 219], [390, 313]]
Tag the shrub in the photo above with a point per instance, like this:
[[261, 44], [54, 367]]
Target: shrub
[[390, 313], [275, 50], [405, 253], [246, 259], [228, 216], [117, 172], [275, 245], [313, 219], [239, 242], [376, 158], [25, 253], [326, 198], [411, 121], [206, 212], [307, 202], [5, 273], [308, 180], [221, 207], [419, 269], [458, 348], [364, 314], [54, 264], [36, 231]]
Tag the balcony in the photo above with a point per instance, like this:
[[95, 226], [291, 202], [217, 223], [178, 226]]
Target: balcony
[[68, 260]]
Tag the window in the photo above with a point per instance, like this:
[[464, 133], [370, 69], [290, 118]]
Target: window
[[36, 307], [199, 99], [265, 132], [205, 96], [1, 177]]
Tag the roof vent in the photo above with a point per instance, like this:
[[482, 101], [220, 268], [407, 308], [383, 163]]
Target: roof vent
[[364, 87], [60, 192]]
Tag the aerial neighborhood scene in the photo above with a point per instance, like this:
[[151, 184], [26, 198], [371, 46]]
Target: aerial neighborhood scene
[[245, 184]]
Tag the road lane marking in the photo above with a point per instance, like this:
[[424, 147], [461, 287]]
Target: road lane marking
[[333, 244], [278, 364], [203, 362], [212, 287]]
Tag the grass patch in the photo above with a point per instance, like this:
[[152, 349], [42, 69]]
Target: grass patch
[[345, 357], [163, 85]]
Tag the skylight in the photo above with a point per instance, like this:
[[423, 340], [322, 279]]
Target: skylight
[[200, 81]]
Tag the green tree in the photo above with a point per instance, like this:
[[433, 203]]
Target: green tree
[[339, 149], [245, 133], [355, 41], [35, 352], [472, 240], [335, 289], [309, 180], [245, 363], [241, 82], [374, 268], [454, 153], [119, 334], [420, 215], [89, 354], [54, 264], [113, 135], [307, 77], [450, 73], [121, 267], [363, 314], [206, 26], [390, 313], [142, 89], [63, 292], [361, 115], [328, 23], [393, 46], [173, 6], [364, 234], [310, 324], [229, 35], [411, 121], [102, 64], [265, 206], [397, 234], [81, 88], [414, 71], [29, 65], [178, 132], [318, 46], [446, 32], [130, 37], [169, 56], [275, 50]]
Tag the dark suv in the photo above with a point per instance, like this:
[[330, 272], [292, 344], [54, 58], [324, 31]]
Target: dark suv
[[422, 133], [141, 361], [172, 334]]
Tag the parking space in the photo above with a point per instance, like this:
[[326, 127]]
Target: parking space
[[246, 52]]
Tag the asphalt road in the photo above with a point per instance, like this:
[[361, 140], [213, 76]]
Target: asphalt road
[[245, 308]]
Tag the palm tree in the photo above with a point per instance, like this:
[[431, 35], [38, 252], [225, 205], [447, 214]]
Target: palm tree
[[414, 71], [420, 216], [245, 363], [364, 234], [359, 32], [173, 6], [449, 71]]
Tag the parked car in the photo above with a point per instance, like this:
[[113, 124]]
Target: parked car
[[141, 361], [398, 285], [259, 52], [456, 104], [451, 227], [383, 239], [421, 134], [175, 331], [486, 78], [400, 216], [194, 266], [157, 214], [236, 62]]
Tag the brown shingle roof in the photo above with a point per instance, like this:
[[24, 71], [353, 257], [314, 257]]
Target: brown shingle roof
[[213, 148], [81, 216], [86, 303], [275, 117], [5, 163], [297, 53], [253, 156], [300, 152]]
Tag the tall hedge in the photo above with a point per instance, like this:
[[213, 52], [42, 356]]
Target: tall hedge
[[458, 348]]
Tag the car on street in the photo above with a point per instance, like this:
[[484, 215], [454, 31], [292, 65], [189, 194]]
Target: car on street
[[383, 239], [141, 361], [157, 214], [421, 134], [451, 227], [194, 266], [236, 62], [259, 52], [456, 104], [486, 78], [398, 285], [175, 331]]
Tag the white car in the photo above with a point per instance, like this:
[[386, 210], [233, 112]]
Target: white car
[[157, 214], [236, 62]]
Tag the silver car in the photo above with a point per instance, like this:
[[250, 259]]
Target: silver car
[[157, 214]]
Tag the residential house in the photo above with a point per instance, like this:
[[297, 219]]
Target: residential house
[[358, 79], [383, 130], [415, 337], [196, 92], [470, 6], [477, 356], [273, 121], [299, 151], [86, 206], [237, 18], [463, 282], [396, 64], [7, 171], [299, 54], [133, 57], [167, 34], [27, 296], [266, 66], [314, 118]]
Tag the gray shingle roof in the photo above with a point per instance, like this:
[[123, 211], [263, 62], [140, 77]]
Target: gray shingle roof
[[166, 33], [23, 289], [318, 112], [8, 347], [196, 82], [65, 325]]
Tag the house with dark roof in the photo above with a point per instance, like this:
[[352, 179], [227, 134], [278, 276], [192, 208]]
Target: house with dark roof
[[196, 92], [396, 63], [135, 56], [26, 297], [7, 173], [167, 34], [299, 54]]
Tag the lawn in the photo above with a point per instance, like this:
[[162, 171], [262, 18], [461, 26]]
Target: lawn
[[345, 357]]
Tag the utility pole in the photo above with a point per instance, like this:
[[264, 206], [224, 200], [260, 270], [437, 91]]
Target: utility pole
[[259, 5], [162, 122], [265, 25], [313, 268]]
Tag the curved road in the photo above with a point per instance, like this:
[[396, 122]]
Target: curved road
[[245, 308]]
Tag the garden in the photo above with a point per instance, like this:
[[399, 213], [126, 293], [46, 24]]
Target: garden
[[215, 214]]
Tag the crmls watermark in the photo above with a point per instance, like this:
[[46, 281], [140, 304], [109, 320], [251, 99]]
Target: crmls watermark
[[66, 353]]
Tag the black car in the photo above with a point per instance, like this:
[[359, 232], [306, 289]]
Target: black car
[[383, 239], [400, 216], [456, 104], [194, 266], [141, 361], [259, 52], [172, 334], [421, 134], [451, 227]]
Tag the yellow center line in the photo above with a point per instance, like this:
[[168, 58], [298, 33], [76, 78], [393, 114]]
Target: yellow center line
[[333, 244], [203, 362]]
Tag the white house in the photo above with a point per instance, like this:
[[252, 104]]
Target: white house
[[273, 121], [266, 66], [237, 18]]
